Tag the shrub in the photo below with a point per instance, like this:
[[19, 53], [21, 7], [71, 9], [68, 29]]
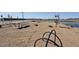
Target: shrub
[[36, 24], [50, 26], [0, 26]]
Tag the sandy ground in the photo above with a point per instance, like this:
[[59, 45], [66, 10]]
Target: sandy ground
[[10, 36]]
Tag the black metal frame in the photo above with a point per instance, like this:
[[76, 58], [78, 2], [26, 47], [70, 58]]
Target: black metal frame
[[53, 32]]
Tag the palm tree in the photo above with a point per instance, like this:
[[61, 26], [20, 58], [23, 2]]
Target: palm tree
[[9, 16], [2, 18]]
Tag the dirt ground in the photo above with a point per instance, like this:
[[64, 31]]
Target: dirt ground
[[10, 36]]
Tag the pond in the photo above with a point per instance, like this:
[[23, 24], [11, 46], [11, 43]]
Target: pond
[[72, 24]]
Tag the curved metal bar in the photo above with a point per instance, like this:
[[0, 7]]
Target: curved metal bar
[[46, 39], [53, 32]]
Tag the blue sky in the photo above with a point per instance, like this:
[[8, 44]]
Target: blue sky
[[42, 14]]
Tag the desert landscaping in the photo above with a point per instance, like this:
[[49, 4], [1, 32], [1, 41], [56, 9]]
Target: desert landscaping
[[11, 36]]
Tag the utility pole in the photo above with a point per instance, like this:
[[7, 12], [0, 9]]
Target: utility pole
[[10, 18], [23, 15]]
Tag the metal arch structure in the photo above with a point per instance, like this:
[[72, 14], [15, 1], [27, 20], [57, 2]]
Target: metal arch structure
[[48, 40]]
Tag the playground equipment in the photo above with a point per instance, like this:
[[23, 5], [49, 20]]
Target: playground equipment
[[57, 20], [46, 42]]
